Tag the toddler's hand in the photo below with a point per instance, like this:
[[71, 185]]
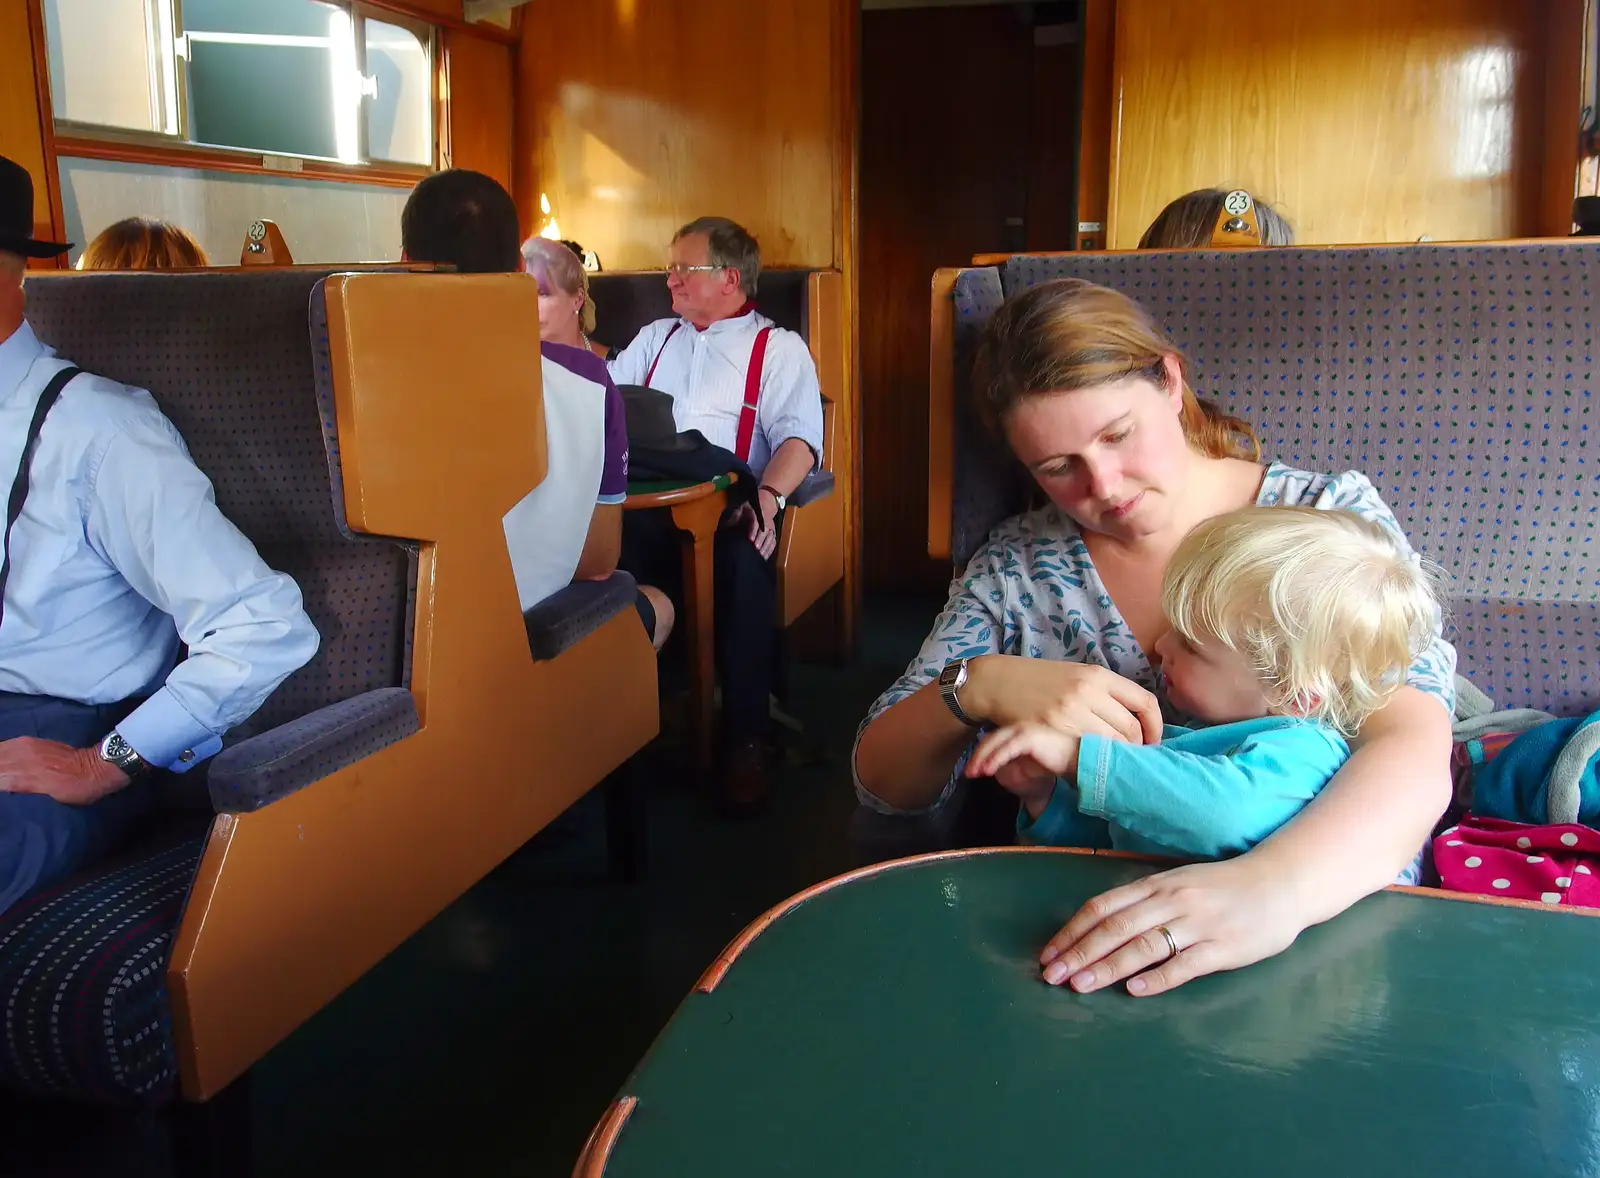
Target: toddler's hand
[[1030, 782], [1026, 759], [1049, 751]]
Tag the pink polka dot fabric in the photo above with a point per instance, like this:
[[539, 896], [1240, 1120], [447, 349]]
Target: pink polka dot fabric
[[1492, 857]]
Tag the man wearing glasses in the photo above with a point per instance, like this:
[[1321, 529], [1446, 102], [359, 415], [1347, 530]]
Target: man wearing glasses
[[751, 388]]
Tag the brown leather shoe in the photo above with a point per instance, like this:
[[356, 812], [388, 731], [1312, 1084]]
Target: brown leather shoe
[[742, 784]]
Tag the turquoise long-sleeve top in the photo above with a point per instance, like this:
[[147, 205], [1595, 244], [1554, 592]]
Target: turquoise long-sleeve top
[[1203, 793]]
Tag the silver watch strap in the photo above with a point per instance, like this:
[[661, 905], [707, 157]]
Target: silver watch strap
[[949, 686]]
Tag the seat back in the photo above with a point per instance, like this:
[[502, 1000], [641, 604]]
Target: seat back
[[295, 900], [1459, 379], [627, 301], [229, 358]]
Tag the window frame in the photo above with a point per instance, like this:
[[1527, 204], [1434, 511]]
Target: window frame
[[99, 141]]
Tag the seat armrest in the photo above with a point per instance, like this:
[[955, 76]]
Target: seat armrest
[[258, 771], [817, 485], [571, 614]]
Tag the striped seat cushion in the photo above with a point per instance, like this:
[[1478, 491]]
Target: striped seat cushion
[[83, 996]]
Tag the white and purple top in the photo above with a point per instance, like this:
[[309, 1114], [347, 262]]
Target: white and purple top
[[586, 440]]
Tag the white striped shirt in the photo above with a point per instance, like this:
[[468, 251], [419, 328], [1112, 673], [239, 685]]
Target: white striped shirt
[[704, 371]]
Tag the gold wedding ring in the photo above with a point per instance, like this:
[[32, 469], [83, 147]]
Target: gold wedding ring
[[1172, 942]]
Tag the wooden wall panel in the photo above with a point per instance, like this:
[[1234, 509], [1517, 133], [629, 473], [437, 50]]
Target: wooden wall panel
[[24, 134], [1565, 54], [940, 174], [450, 9], [1052, 220], [1370, 120], [635, 117], [845, 88], [1097, 128], [478, 103]]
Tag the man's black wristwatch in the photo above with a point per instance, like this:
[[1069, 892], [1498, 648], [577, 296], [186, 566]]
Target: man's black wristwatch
[[116, 751], [951, 680]]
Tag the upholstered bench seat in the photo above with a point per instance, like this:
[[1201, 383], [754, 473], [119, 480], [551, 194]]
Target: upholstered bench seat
[[1533, 654], [83, 994], [1458, 378]]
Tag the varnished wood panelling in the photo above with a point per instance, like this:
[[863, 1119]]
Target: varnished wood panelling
[[846, 90], [636, 117], [449, 9], [1369, 120], [478, 103], [23, 136], [1097, 127], [1566, 56], [1052, 152], [940, 175]]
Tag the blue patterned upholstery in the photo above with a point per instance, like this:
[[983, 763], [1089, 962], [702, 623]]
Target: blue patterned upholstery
[[818, 484], [229, 358], [988, 484], [82, 970], [569, 615], [1460, 379]]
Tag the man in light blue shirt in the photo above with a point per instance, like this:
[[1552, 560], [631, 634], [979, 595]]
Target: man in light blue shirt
[[114, 553]]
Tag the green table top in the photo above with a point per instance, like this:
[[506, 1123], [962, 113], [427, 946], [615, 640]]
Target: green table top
[[897, 1025], [656, 486]]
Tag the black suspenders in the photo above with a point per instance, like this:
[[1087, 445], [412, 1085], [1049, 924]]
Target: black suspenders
[[19, 485]]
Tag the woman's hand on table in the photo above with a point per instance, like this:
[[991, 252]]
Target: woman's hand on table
[[1072, 698], [1221, 915]]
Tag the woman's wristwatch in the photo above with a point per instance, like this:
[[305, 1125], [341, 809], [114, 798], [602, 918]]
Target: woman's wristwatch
[[951, 680]]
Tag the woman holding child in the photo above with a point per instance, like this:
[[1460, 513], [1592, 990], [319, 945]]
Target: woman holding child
[[1047, 632]]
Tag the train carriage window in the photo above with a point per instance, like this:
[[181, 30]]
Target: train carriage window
[[321, 79], [107, 66]]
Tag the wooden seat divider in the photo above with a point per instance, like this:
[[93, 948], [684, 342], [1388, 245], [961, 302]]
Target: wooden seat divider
[[294, 901]]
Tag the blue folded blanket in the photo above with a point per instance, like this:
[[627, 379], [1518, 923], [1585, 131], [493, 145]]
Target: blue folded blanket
[[1548, 775]]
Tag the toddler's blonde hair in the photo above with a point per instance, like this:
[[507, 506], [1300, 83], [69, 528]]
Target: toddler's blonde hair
[[1329, 608]]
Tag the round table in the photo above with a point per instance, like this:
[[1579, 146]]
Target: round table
[[893, 1022]]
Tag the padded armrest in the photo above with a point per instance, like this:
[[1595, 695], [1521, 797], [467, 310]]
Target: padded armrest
[[569, 615], [273, 765], [818, 485]]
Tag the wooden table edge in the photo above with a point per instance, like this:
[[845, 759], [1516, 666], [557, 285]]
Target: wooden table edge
[[681, 495], [597, 1150], [712, 977]]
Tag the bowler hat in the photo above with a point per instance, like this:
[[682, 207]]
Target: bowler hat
[[650, 423], [16, 215]]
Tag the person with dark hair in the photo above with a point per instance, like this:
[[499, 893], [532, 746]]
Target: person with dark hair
[[140, 243], [463, 219], [114, 556], [569, 527], [750, 387]]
